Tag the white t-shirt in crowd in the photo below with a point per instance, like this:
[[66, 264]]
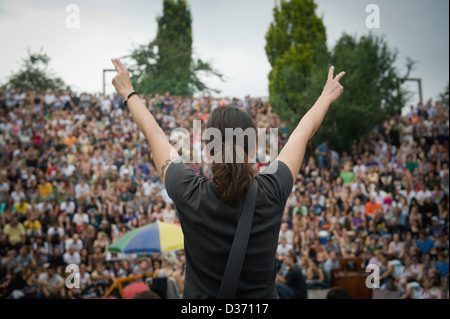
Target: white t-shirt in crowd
[[416, 289], [69, 242], [68, 171], [148, 187], [67, 206], [80, 190], [80, 218], [4, 187], [72, 259], [105, 105], [358, 169], [284, 249], [379, 196], [49, 98], [58, 230]]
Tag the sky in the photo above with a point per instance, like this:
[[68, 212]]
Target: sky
[[230, 34]]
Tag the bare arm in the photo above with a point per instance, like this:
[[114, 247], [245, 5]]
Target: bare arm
[[402, 251], [390, 248], [163, 152], [407, 293], [388, 272], [293, 152], [321, 275], [281, 279]]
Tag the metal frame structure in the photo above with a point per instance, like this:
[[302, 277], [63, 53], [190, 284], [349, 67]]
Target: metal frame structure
[[118, 284], [104, 83], [419, 82]]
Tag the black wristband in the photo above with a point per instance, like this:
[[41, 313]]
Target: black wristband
[[128, 97]]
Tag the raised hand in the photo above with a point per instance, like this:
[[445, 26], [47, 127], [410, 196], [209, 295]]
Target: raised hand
[[121, 81], [333, 89]]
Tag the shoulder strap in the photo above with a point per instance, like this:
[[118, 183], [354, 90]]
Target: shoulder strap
[[239, 247]]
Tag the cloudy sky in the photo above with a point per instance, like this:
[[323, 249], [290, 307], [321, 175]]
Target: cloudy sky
[[228, 33]]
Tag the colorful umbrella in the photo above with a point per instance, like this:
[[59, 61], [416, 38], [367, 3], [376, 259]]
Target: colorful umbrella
[[153, 238]]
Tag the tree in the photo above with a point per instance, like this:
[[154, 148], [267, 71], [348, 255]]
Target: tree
[[166, 63], [443, 97], [373, 89], [296, 50], [34, 74]]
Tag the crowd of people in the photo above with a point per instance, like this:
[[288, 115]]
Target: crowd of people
[[76, 174], [384, 201]]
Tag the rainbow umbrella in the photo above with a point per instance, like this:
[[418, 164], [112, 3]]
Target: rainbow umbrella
[[153, 238]]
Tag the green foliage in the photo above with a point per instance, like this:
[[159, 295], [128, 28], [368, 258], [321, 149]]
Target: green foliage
[[166, 63], [296, 49], [372, 85], [34, 74], [443, 97]]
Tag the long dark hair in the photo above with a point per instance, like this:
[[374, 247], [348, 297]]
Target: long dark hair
[[232, 180]]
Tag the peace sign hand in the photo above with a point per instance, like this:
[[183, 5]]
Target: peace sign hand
[[121, 81], [333, 89]]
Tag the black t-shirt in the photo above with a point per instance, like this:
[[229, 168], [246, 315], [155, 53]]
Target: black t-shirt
[[297, 282], [209, 227], [75, 100]]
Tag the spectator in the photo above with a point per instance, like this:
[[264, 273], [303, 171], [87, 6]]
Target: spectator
[[424, 242], [387, 271], [331, 263], [51, 284], [55, 236], [68, 207], [428, 291], [428, 211], [347, 174], [284, 247], [45, 188], [56, 258], [21, 208], [396, 247], [286, 233], [17, 286], [82, 190], [32, 225], [15, 232], [24, 258], [292, 284], [436, 228], [412, 289], [79, 218], [442, 264], [338, 293], [372, 206], [322, 152], [81, 157], [315, 276], [168, 269], [72, 256]]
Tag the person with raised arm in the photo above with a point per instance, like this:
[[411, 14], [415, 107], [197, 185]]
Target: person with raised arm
[[209, 210]]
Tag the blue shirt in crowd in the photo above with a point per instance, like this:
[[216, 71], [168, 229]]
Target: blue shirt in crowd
[[443, 268], [425, 246]]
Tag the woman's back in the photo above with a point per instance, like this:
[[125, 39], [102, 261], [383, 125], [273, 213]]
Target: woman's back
[[209, 227], [208, 224]]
